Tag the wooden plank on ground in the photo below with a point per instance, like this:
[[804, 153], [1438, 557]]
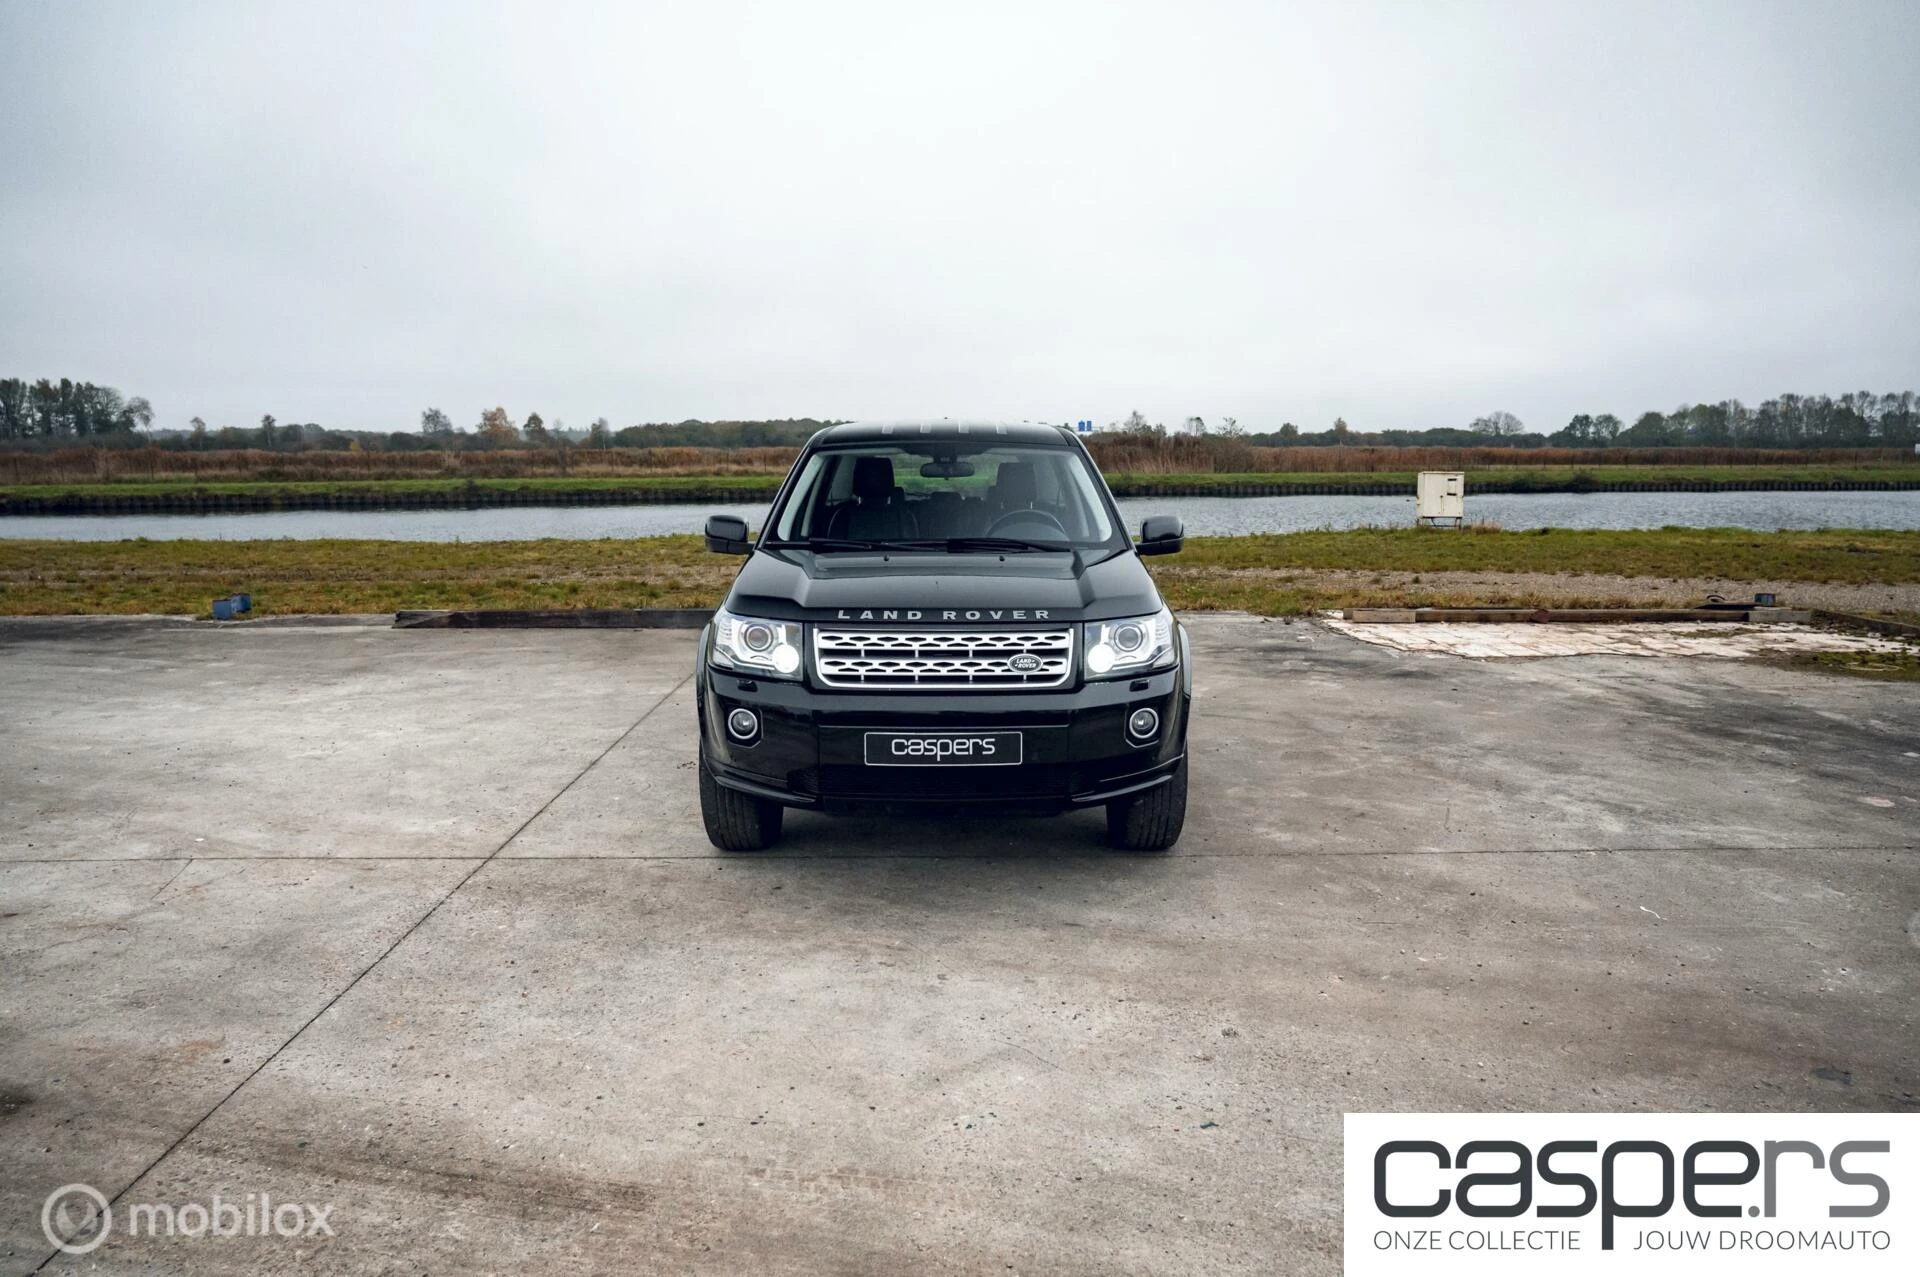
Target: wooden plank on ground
[[594, 618]]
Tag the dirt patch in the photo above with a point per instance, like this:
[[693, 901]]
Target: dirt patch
[[1886, 666], [1795, 643], [1595, 590]]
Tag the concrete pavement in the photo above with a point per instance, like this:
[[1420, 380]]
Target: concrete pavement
[[421, 926]]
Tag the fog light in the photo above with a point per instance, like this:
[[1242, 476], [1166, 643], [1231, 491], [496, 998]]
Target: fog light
[[743, 724], [1142, 724]]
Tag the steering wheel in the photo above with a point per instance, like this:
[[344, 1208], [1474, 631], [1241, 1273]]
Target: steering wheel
[[1040, 519]]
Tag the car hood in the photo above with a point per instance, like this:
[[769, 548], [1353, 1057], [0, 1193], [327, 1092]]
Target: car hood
[[982, 588]]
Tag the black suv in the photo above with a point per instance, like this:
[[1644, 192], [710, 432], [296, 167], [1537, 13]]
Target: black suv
[[944, 613]]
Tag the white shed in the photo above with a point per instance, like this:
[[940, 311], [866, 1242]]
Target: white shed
[[1442, 497]]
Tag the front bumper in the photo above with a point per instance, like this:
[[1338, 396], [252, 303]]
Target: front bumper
[[811, 748]]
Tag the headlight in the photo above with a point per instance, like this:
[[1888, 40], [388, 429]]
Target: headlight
[[1129, 645], [753, 645]]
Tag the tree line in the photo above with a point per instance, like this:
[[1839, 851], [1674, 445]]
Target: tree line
[[67, 411], [496, 429], [1859, 419]]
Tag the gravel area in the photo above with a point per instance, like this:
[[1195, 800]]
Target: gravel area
[[1606, 590], [1727, 641]]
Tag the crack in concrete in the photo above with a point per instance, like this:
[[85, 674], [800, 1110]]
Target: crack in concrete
[[184, 866], [479, 864]]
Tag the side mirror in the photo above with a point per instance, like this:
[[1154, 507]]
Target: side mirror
[[727, 534], [1162, 534]]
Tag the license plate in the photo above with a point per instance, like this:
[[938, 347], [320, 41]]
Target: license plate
[[943, 749]]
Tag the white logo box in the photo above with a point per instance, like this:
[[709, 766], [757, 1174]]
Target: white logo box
[[1864, 1165]]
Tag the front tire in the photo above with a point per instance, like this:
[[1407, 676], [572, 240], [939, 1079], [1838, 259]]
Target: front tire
[[736, 821], [1150, 821]]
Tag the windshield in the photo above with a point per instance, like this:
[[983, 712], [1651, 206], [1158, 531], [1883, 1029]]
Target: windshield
[[946, 496]]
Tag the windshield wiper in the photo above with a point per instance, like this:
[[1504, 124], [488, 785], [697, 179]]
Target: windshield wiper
[[956, 545], [953, 545], [841, 543]]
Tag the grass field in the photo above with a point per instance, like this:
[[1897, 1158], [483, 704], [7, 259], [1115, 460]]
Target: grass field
[[326, 487], [1271, 575], [1832, 555], [758, 485], [1174, 456]]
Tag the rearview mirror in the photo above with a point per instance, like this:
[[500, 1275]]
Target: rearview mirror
[[727, 534], [946, 470], [1162, 534]]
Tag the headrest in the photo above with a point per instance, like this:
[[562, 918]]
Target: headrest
[[1014, 483], [872, 478]]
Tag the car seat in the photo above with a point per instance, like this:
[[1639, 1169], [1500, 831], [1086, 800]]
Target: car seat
[[939, 515], [879, 512], [1014, 487]]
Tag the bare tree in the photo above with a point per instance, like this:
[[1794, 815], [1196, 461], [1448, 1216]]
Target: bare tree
[[1498, 424], [137, 412], [496, 428]]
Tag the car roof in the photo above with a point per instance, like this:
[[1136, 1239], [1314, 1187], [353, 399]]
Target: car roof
[[945, 428]]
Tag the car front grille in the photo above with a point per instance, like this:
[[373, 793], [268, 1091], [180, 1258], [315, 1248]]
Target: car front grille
[[935, 659]]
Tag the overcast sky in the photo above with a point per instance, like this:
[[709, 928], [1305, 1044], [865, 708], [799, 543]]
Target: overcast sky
[[1405, 214]]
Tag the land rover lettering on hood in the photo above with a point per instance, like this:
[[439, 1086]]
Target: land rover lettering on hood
[[943, 614]]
